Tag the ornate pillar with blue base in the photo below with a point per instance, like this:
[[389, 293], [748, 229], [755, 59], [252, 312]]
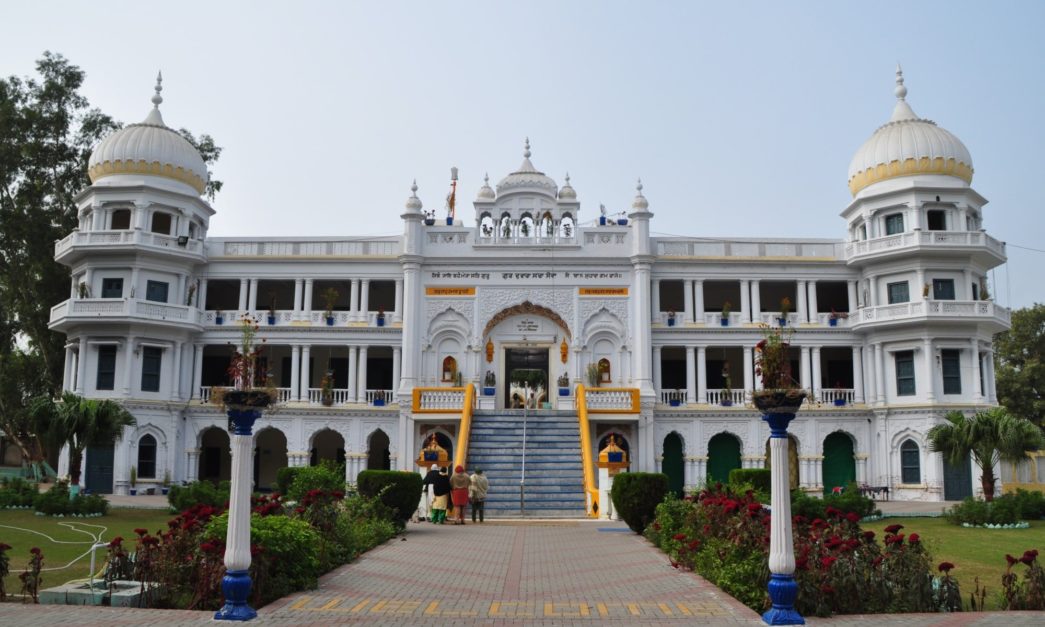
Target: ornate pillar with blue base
[[236, 584], [782, 586]]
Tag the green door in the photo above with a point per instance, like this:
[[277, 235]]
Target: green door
[[672, 464], [839, 462], [723, 456]]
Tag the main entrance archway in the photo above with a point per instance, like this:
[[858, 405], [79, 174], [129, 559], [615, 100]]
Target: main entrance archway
[[529, 365]]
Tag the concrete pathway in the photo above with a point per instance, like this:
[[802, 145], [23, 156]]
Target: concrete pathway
[[498, 573]]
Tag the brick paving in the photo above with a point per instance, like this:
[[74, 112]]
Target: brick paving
[[499, 573]]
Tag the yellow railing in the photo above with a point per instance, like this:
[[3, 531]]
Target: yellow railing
[[591, 489], [616, 401], [435, 400], [461, 454]]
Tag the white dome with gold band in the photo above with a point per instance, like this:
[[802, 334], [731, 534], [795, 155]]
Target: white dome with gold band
[[150, 148], [908, 145]]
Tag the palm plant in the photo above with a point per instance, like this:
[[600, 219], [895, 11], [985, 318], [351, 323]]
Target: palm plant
[[990, 436], [82, 422]]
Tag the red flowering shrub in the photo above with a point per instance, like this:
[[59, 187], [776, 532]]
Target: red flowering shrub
[[30, 577], [1030, 593]]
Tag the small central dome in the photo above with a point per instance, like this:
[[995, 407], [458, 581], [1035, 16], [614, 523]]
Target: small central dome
[[527, 178], [907, 145], [150, 148]]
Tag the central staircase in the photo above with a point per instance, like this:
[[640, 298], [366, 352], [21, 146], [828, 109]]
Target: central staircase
[[554, 485]]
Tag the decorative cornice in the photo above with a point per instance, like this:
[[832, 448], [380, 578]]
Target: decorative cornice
[[908, 167], [166, 170]]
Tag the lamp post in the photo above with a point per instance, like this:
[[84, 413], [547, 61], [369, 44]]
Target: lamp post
[[782, 586], [236, 583]]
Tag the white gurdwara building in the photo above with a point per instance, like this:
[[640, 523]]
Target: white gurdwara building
[[375, 343]]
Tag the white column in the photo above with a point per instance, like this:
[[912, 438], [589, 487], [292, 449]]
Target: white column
[[176, 369], [132, 291], [851, 292], [967, 289], [306, 306], [858, 374], [201, 298], [749, 368], [698, 295], [295, 372], [813, 304], [753, 352], [364, 300], [81, 366], [641, 374], [974, 356], [879, 373], [192, 464], [181, 296], [353, 300], [745, 302], [197, 371], [252, 299], [992, 391], [306, 376], [67, 370], [687, 301], [691, 377], [396, 367], [362, 374], [129, 362], [816, 380], [920, 288], [298, 288], [702, 375], [243, 287], [655, 287], [237, 538], [781, 544], [397, 315], [411, 323], [353, 354], [656, 371], [930, 379], [802, 305], [804, 369], [756, 301]]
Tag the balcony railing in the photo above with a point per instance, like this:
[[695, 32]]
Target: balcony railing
[[838, 396], [936, 309], [727, 397], [318, 247], [910, 239], [612, 400], [108, 239], [666, 396], [339, 396], [289, 318], [438, 400], [810, 249], [80, 309]]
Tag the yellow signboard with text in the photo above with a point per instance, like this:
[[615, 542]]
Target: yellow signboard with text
[[602, 291], [450, 291]]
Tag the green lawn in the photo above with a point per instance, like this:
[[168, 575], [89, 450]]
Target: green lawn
[[119, 522], [974, 552]]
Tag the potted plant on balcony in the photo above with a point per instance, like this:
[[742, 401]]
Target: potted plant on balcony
[[785, 309], [84, 290], [272, 309], [839, 400], [591, 374], [671, 317], [727, 387], [326, 389], [191, 294], [564, 384], [727, 308], [379, 398], [836, 316], [219, 317], [134, 481], [489, 383], [676, 399], [623, 220], [166, 486], [330, 299], [602, 216], [381, 317]]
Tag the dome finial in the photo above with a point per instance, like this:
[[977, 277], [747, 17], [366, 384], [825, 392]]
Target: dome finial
[[486, 178], [638, 186], [157, 98], [413, 188], [900, 91], [526, 152]]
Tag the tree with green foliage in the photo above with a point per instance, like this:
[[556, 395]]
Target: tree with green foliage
[[1019, 371], [48, 129], [990, 436], [81, 422]]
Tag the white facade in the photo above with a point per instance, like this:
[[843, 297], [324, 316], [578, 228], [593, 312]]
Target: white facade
[[892, 326]]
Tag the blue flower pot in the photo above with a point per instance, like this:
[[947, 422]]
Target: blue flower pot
[[272, 321], [564, 391], [380, 321], [330, 321], [782, 321], [832, 321], [622, 221], [674, 402], [219, 319], [839, 402], [489, 391], [379, 402], [727, 402], [724, 321], [602, 220]]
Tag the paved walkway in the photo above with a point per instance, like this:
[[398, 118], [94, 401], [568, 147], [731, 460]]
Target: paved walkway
[[498, 573]]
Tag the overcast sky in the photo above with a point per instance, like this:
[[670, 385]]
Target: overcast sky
[[740, 117]]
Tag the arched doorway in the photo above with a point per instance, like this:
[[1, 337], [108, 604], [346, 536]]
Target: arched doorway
[[957, 480], [215, 456], [378, 457], [792, 460], [839, 467], [270, 454], [723, 456], [327, 444], [672, 464]]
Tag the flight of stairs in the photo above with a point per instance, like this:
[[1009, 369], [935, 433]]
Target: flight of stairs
[[554, 476]]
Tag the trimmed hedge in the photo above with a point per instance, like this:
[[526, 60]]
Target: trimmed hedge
[[399, 490], [285, 478], [850, 500], [328, 476], [636, 495], [181, 498], [56, 502], [17, 492], [761, 479]]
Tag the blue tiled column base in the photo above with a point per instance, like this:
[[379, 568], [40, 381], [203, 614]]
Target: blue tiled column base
[[236, 587], [782, 592]]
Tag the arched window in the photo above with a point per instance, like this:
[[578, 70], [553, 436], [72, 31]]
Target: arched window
[[910, 462], [604, 371], [147, 457], [449, 370]]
